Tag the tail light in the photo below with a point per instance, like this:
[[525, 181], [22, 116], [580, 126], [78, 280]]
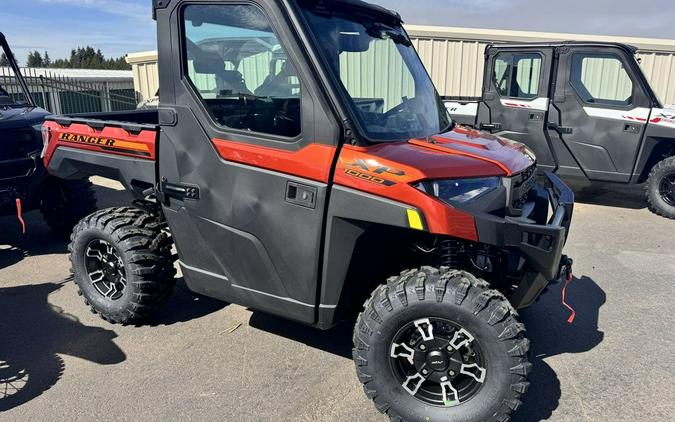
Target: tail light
[[45, 140]]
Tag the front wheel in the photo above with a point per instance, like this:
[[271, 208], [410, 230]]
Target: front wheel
[[438, 344], [661, 188]]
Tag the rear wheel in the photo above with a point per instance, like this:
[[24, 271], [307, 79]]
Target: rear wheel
[[65, 202], [122, 264], [435, 344], [661, 188]]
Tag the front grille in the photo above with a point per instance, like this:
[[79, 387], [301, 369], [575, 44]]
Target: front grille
[[18, 143], [521, 185]]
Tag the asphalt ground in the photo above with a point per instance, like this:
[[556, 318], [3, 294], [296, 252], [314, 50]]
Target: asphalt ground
[[200, 359]]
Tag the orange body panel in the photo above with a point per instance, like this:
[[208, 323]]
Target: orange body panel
[[312, 162], [364, 169], [109, 140]]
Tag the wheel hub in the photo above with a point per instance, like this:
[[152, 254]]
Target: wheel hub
[[437, 362], [105, 269]]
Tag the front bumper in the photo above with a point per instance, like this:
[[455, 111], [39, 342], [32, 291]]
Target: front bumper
[[538, 236]]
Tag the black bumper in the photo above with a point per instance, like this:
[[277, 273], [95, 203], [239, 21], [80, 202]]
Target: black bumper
[[538, 236]]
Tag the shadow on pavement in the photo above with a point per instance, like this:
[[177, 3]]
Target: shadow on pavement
[[33, 332], [551, 335], [337, 340], [609, 194], [184, 306]]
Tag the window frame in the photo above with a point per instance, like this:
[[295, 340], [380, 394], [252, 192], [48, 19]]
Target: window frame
[[604, 55], [267, 138], [512, 54]]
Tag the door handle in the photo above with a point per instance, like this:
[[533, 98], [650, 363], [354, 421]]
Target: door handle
[[490, 126], [300, 194], [562, 130], [631, 128]]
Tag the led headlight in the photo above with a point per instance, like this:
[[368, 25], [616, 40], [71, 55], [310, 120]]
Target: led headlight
[[457, 191]]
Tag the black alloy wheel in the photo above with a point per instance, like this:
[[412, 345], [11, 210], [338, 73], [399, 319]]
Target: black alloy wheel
[[437, 361], [105, 269]]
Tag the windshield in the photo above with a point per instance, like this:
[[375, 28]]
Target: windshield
[[385, 82]]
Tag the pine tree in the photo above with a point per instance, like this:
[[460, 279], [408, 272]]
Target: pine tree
[[3, 60], [35, 59]]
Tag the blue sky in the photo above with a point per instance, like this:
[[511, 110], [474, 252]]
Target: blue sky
[[118, 27]]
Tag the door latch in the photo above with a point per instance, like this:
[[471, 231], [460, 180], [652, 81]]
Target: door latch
[[562, 130], [300, 194], [631, 128]]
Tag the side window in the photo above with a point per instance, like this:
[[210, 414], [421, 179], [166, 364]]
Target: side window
[[517, 75], [240, 70], [601, 79]]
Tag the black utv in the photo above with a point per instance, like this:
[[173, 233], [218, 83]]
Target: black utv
[[24, 183]]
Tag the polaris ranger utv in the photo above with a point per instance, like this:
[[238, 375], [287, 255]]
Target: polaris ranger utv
[[586, 110], [24, 183], [297, 178]]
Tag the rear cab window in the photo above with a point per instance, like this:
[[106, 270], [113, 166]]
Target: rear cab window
[[517, 75], [240, 70]]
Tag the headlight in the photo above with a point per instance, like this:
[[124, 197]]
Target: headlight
[[457, 191]]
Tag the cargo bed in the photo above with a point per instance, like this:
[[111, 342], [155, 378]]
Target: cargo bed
[[118, 145]]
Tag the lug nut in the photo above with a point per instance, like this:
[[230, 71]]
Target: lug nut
[[423, 347], [451, 373], [424, 371], [450, 349]]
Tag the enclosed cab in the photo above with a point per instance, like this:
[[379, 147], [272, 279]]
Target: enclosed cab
[[584, 108], [295, 178]]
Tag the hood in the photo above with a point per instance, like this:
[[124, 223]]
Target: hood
[[15, 117], [461, 153], [509, 156]]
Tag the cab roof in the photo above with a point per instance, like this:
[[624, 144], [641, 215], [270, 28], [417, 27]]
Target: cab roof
[[161, 4], [559, 44]]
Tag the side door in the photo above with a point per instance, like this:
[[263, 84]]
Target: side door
[[602, 109], [246, 152], [516, 94]]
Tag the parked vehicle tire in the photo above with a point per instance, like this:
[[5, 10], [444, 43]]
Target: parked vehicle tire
[[439, 344], [122, 264], [65, 202], [661, 188]]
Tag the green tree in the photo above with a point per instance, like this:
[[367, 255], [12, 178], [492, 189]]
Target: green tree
[[35, 59], [46, 60], [3, 60], [87, 58]]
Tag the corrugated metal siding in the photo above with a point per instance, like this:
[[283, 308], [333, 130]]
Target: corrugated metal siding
[[454, 58], [659, 68], [455, 66]]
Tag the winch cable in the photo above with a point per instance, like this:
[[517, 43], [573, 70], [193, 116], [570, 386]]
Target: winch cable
[[19, 215], [573, 314]]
